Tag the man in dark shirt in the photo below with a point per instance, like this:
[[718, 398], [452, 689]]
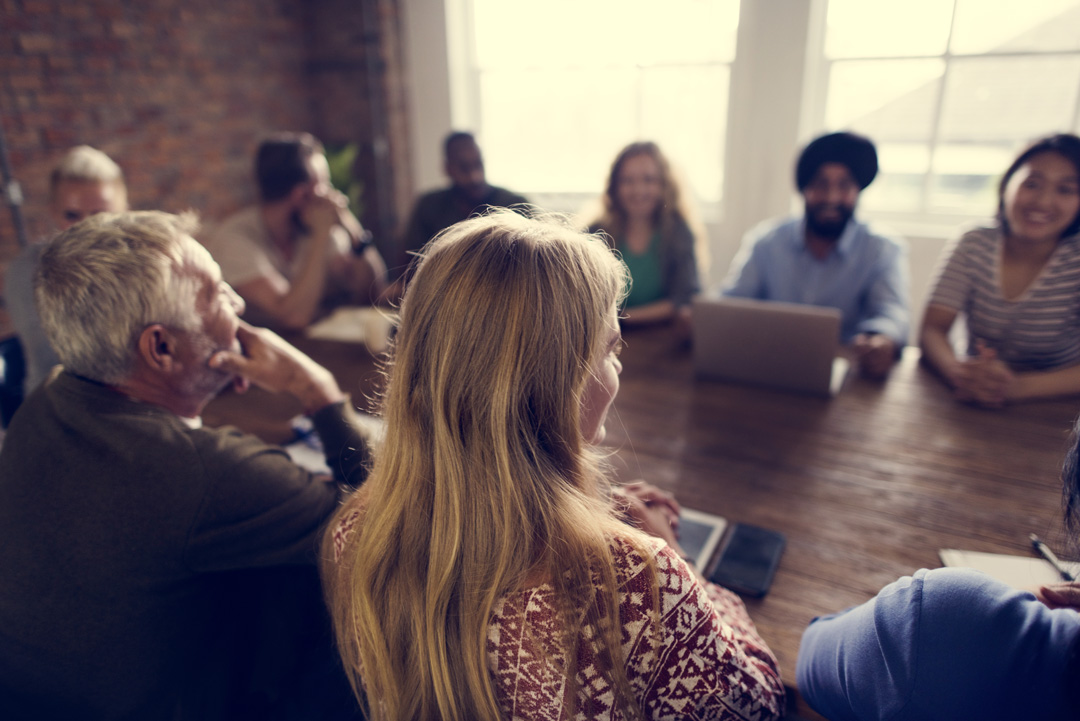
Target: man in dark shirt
[[468, 193], [153, 568]]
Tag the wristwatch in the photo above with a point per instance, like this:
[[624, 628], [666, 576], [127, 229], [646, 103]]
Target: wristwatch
[[366, 239]]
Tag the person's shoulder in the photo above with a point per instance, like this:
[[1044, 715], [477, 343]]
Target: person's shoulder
[[646, 562], [969, 620], [148, 430], [773, 231], [678, 229], [964, 595], [19, 277], [244, 223], [245, 216], [978, 243], [879, 233], [504, 198], [433, 198], [430, 206], [227, 444], [237, 466], [343, 526], [637, 550], [28, 257], [1070, 247], [963, 603], [945, 583], [981, 233]]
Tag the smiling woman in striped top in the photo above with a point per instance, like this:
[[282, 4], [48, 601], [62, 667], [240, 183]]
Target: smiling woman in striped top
[[1017, 283]]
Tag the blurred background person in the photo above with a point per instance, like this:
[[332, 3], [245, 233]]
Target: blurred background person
[[469, 192], [1017, 285], [646, 214], [300, 252], [85, 182]]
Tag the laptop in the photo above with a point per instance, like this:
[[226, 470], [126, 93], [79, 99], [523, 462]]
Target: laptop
[[785, 346]]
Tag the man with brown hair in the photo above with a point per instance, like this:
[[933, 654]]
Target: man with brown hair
[[300, 251]]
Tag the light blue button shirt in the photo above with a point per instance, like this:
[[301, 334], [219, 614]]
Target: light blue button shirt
[[865, 276]]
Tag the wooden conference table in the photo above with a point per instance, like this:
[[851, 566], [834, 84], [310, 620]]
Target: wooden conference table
[[867, 486]]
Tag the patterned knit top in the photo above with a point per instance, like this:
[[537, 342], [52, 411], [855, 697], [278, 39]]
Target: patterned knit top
[[700, 658]]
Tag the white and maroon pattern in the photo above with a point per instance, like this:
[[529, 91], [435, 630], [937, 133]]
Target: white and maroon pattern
[[705, 661]]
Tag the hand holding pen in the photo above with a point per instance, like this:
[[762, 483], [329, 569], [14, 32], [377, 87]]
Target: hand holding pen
[[1043, 550], [1057, 595]]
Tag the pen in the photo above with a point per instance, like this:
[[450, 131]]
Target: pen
[[1046, 553]]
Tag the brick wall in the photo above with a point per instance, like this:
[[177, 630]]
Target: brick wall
[[358, 93], [178, 92]]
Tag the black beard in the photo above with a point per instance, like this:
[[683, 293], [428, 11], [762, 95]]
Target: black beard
[[830, 229]]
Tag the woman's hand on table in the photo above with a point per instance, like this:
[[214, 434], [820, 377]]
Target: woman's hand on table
[[984, 379], [651, 509]]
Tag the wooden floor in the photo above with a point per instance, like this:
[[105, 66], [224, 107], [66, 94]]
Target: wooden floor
[[866, 486]]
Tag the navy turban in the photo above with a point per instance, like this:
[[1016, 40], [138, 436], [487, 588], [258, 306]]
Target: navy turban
[[853, 151]]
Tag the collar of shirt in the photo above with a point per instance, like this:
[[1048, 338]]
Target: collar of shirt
[[842, 247], [192, 423]]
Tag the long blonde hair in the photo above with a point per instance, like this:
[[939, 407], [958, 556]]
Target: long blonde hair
[[484, 479]]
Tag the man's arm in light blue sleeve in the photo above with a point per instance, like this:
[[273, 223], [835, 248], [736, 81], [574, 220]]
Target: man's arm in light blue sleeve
[[849, 666], [943, 644], [745, 279], [888, 306]]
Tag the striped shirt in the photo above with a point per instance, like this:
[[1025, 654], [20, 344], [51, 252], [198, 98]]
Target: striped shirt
[[1037, 331]]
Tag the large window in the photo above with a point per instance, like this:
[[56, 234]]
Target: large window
[[562, 85], [949, 91]]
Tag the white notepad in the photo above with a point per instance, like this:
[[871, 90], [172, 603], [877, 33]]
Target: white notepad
[[370, 326], [1023, 572]]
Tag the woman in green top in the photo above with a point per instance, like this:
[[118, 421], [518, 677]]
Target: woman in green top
[[645, 216]]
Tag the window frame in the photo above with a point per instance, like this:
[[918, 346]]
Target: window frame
[[466, 103], [923, 222]]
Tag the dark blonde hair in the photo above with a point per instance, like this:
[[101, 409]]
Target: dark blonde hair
[[484, 479], [673, 210], [670, 207]]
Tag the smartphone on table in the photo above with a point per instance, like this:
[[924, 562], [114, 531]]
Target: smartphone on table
[[748, 560]]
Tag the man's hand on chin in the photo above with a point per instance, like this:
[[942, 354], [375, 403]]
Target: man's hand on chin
[[270, 362]]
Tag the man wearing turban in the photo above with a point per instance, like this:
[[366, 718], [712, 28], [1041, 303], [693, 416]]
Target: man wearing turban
[[828, 258]]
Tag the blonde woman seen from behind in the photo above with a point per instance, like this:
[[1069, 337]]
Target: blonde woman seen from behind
[[483, 571]]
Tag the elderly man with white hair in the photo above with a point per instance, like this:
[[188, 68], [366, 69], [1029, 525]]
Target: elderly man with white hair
[[135, 545]]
